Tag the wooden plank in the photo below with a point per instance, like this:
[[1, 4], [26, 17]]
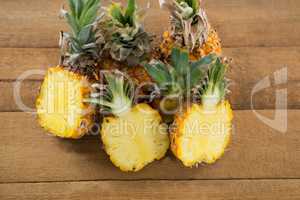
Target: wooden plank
[[240, 23], [15, 62], [250, 65], [28, 93], [28, 154], [193, 190]]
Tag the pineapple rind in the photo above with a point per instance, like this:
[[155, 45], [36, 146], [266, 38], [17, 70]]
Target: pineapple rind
[[60, 106], [135, 139], [199, 145], [137, 73], [212, 45]]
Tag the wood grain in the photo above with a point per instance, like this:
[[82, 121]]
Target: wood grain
[[240, 23], [250, 65], [144, 190], [28, 154], [15, 61], [262, 36]]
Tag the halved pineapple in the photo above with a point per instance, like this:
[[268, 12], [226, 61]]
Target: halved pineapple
[[200, 135], [135, 139], [190, 29], [202, 131], [60, 106], [135, 136]]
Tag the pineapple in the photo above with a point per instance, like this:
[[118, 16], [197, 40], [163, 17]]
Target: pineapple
[[127, 43], [60, 104], [135, 135], [201, 132], [190, 29]]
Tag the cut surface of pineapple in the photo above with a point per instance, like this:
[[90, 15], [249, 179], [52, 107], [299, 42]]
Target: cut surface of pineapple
[[136, 138], [201, 136], [60, 105]]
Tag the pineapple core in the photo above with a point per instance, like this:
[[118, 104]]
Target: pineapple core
[[135, 138], [60, 106], [201, 136]]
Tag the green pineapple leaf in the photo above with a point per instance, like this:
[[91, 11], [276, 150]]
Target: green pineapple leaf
[[78, 8], [195, 76], [127, 18], [130, 11], [180, 60], [217, 72], [116, 13], [73, 23], [85, 34], [72, 7], [88, 5], [195, 5], [89, 15], [204, 61], [198, 68], [158, 73], [75, 45]]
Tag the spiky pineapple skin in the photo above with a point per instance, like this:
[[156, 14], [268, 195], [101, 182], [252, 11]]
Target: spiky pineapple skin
[[212, 45], [60, 107], [137, 74], [199, 147], [136, 139]]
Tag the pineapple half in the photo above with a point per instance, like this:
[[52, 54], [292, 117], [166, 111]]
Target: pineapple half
[[190, 29], [135, 135], [201, 132], [127, 43], [60, 104]]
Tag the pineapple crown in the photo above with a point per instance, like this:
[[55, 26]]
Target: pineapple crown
[[188, 8], [117, 96], [181, 75], [204, 78], [214, 86], [82, 45], [189, 23], [124, 17], [126, 38]]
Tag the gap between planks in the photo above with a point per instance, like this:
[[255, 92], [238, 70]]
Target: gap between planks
[[156, 179]]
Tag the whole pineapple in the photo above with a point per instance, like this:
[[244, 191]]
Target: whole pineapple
[[60, 104], [127, 43], [201, 132], [133, 136], [190, 29]]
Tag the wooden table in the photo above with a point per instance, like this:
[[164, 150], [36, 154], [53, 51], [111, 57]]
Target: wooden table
[[263, 36]]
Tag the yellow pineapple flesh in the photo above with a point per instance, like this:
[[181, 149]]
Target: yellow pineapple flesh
[[60, 106], [135, 139], [201, 136]]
